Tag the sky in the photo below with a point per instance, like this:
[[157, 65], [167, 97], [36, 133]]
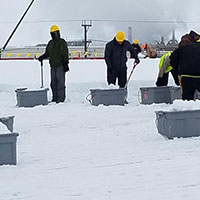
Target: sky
[[107, 17]]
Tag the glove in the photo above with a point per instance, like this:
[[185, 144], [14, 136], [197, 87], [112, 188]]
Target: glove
[[40, 58], [137, 61], [159, 82]]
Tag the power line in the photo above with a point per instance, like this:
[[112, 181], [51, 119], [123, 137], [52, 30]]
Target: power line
[[110, 20]]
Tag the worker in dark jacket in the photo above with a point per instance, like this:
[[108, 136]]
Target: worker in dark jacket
[[57, 52], [136, 46], [189, 38], [116, 58], [186, 60]]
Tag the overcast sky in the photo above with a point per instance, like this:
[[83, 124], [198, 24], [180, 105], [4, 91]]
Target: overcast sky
[[106, 16]]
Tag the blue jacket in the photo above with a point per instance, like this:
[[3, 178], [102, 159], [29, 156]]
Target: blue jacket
[[116, 54]]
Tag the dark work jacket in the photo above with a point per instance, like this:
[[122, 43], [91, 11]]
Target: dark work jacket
[[185, 40], [57, 52], [186, 59], [137, 48], [115, 54]]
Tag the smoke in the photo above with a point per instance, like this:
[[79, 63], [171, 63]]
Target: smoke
[[149, 19]]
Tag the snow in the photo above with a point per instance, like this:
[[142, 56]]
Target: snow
[[74, 150], [3, 128]]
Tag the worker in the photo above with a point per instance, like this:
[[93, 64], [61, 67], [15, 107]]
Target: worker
[[150, 51], [136, 46], [186, 60], [164, 69], [57, 52], [189, 38], [116, 58]]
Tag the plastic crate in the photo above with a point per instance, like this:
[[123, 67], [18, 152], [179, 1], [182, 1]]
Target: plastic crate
[[164, 94], [8, 149], [31, 98], [108, 96], [178, 123]]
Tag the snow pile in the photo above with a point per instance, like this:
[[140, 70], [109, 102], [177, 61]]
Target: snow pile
[[180, 105]]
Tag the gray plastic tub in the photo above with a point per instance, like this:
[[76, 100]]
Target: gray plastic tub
[[178, 123], [31, 98], [8, 149], [165, 94], [108, 96]]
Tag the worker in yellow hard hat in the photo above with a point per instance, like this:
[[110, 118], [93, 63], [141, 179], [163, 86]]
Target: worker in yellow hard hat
[[136, 46], [116, 58], [57, 52], [120, 37], [54, 28]]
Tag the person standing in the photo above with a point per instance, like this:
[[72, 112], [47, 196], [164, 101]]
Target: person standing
[[57, 52], [116, 58], [136, 46], [164, 69], [186, 60]]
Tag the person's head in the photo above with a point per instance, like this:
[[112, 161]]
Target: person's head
[[135, 41], [144, 46], [120, 37], [195, 36], [55, 31]]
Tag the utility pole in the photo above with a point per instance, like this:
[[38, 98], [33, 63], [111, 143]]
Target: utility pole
[[86, 25]]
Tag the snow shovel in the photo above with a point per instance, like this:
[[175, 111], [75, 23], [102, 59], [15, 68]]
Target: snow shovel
[[126, 85], [41, 76]]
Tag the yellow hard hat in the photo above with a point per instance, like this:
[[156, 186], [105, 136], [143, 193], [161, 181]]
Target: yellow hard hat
[[120, 36], [54, 28], [135, 41]]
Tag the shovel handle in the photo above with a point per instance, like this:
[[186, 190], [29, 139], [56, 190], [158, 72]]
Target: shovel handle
[[135, 64], [42, 79]]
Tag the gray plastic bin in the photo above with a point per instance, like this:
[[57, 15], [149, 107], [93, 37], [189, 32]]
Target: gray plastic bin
[[8, 121], [31, 98], [8, 149], [178, 123], [108, 96], [165, 94]]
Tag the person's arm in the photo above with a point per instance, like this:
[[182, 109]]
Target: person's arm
[[174, 59], [133, 53], [165, 64], [65, 52], [45, 55], [65, 55], [139, 48], [107, 56]]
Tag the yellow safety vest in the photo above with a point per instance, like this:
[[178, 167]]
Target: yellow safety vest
[[169, 68]]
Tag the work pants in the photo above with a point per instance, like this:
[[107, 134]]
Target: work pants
[[164, 80], [190, 85], [58, 84], [119, 74]]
